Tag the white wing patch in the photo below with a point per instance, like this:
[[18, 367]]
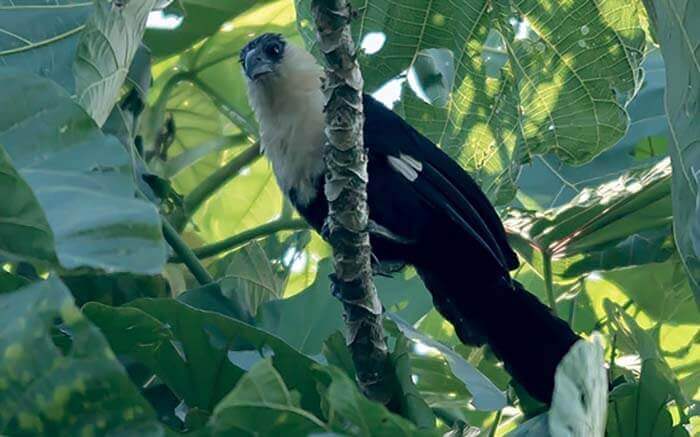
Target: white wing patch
[[407, 165]]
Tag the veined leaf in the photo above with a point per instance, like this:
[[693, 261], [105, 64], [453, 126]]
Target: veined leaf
[[579, 401], [351, 413], [261, 404], [46, 49], [24, 232], [48, 390], [547, 182], [553, 93], [676, 27], [642, 408], [600, 221], [200, 355], [249, 274], [81, 178], [107, 46], [291, 320]]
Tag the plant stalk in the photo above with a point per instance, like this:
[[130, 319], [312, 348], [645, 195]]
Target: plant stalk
[[496, 421], [186, 254], [346, 191], [548, 281], [245, 237]]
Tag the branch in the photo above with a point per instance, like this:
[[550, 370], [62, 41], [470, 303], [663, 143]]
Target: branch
[[214, 181], [346, 191], [246, 236]]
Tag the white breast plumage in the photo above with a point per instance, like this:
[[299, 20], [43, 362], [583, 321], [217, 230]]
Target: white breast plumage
[[289, 109]]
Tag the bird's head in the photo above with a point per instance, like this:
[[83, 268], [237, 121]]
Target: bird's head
[[263, 56], [276, 68]]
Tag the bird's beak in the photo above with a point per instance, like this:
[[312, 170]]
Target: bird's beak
[[257, 65]]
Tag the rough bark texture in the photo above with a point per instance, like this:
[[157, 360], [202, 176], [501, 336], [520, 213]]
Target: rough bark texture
[[346, 190]]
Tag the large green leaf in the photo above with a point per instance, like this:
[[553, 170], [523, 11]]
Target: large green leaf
[[485, 395], [24, 231], [632, 338], [642, 408], [604, 227], [249, 274], [200, 355], [547, 182], [554, 92], [200, 19], [107, 46], [676, 24], [291, 320], [351, 413], [580, 393], [81, 178], [261, 405], [11, 282], [49, 390], [47, 49], [662, 290]]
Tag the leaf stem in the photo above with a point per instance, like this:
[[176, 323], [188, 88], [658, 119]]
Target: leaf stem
[[246, 236], [186, 254], [215, 181], [496, 421], [548, 281]]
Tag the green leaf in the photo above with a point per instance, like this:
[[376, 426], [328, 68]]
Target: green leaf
[[602, 222], [200, 19], [200, 355], [662, 290], [351, 413], [640, 409], [261, 405], [10, 282], [631, 337], [553, 93], [291, 320], [24, 232], [579, 401], [485, 395], [47, 390], [547, 182], [250, 275], [113, 289], [47, 49], [107, 46], [413, 406], [81, 179], [675, 22]]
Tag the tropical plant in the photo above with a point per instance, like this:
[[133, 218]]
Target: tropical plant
[[154, 281]]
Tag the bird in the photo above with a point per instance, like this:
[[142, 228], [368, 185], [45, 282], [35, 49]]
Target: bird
[[425, 210]]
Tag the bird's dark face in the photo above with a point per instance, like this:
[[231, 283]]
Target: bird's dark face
[[263, 55]]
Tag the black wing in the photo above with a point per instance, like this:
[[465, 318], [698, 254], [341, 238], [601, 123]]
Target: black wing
[[438, 179]]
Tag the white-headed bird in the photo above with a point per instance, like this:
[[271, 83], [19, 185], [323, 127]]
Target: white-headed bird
[[425, 210]]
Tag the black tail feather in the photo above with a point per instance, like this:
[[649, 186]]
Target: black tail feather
[[521, 331]]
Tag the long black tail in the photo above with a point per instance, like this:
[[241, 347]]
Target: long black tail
[[520, 330]]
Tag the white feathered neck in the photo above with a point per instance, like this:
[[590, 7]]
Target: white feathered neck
[[289, 109]]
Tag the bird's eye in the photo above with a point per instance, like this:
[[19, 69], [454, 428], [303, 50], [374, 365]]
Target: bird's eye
[[273, 50]]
